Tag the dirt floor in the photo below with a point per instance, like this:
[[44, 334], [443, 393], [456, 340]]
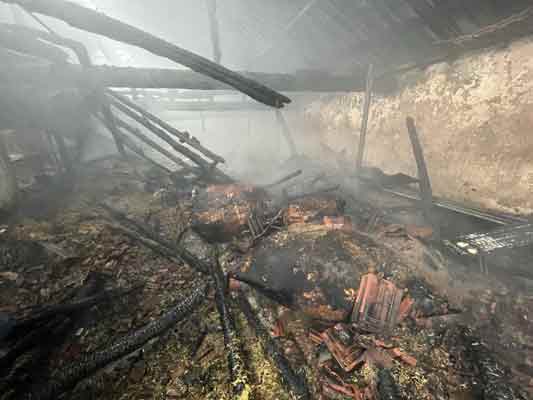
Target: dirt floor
[[465, 334]]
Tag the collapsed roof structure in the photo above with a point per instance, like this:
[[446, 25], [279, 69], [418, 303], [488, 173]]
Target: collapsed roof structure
[[326, 282]]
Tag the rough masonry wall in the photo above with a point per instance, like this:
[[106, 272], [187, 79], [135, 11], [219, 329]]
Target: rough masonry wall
[[475, 119]]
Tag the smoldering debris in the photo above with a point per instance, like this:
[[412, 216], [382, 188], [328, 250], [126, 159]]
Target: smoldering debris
[[153, 272]]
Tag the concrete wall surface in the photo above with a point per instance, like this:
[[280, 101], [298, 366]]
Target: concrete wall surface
[[475, 119]]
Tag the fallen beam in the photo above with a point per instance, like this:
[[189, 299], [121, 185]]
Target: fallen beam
[[238, 379], [99, 23]]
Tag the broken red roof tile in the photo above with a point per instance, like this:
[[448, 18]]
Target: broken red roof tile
[[377, 304], [409, 360]]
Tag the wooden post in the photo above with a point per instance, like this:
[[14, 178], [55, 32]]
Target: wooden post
[[286, 132], [364, 119], [213, 28], [426, 193]]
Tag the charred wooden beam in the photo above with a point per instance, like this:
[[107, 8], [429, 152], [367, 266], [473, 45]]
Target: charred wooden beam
[[125, 77], [184, 137], [238, 378], [294, 383], [71, 374], [96, 22], [152, 240]]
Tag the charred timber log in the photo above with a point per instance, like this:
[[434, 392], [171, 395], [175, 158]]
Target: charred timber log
[[238, 379], [71, 374], [184, 137], [294, 383], [152, 240], [96, 22], [126, 77]]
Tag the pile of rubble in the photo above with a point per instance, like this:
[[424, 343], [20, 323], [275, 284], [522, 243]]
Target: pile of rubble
[[278, 297]]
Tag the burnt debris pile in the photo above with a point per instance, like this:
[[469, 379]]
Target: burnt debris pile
[[151, 271]]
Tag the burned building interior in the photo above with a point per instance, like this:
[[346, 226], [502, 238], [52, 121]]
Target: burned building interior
[[247, 199]]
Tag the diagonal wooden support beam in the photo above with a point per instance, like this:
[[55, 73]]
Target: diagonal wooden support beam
[[101, 24]]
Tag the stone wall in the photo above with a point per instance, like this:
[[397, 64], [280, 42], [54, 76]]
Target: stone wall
[[475, 119]]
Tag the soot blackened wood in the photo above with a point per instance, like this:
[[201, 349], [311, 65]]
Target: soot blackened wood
[[96, 22], [295, 383], [238, 378], [71, 374]]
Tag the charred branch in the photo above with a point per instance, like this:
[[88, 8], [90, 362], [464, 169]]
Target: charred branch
[[238, 379], [68, 376], [155, 242]]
